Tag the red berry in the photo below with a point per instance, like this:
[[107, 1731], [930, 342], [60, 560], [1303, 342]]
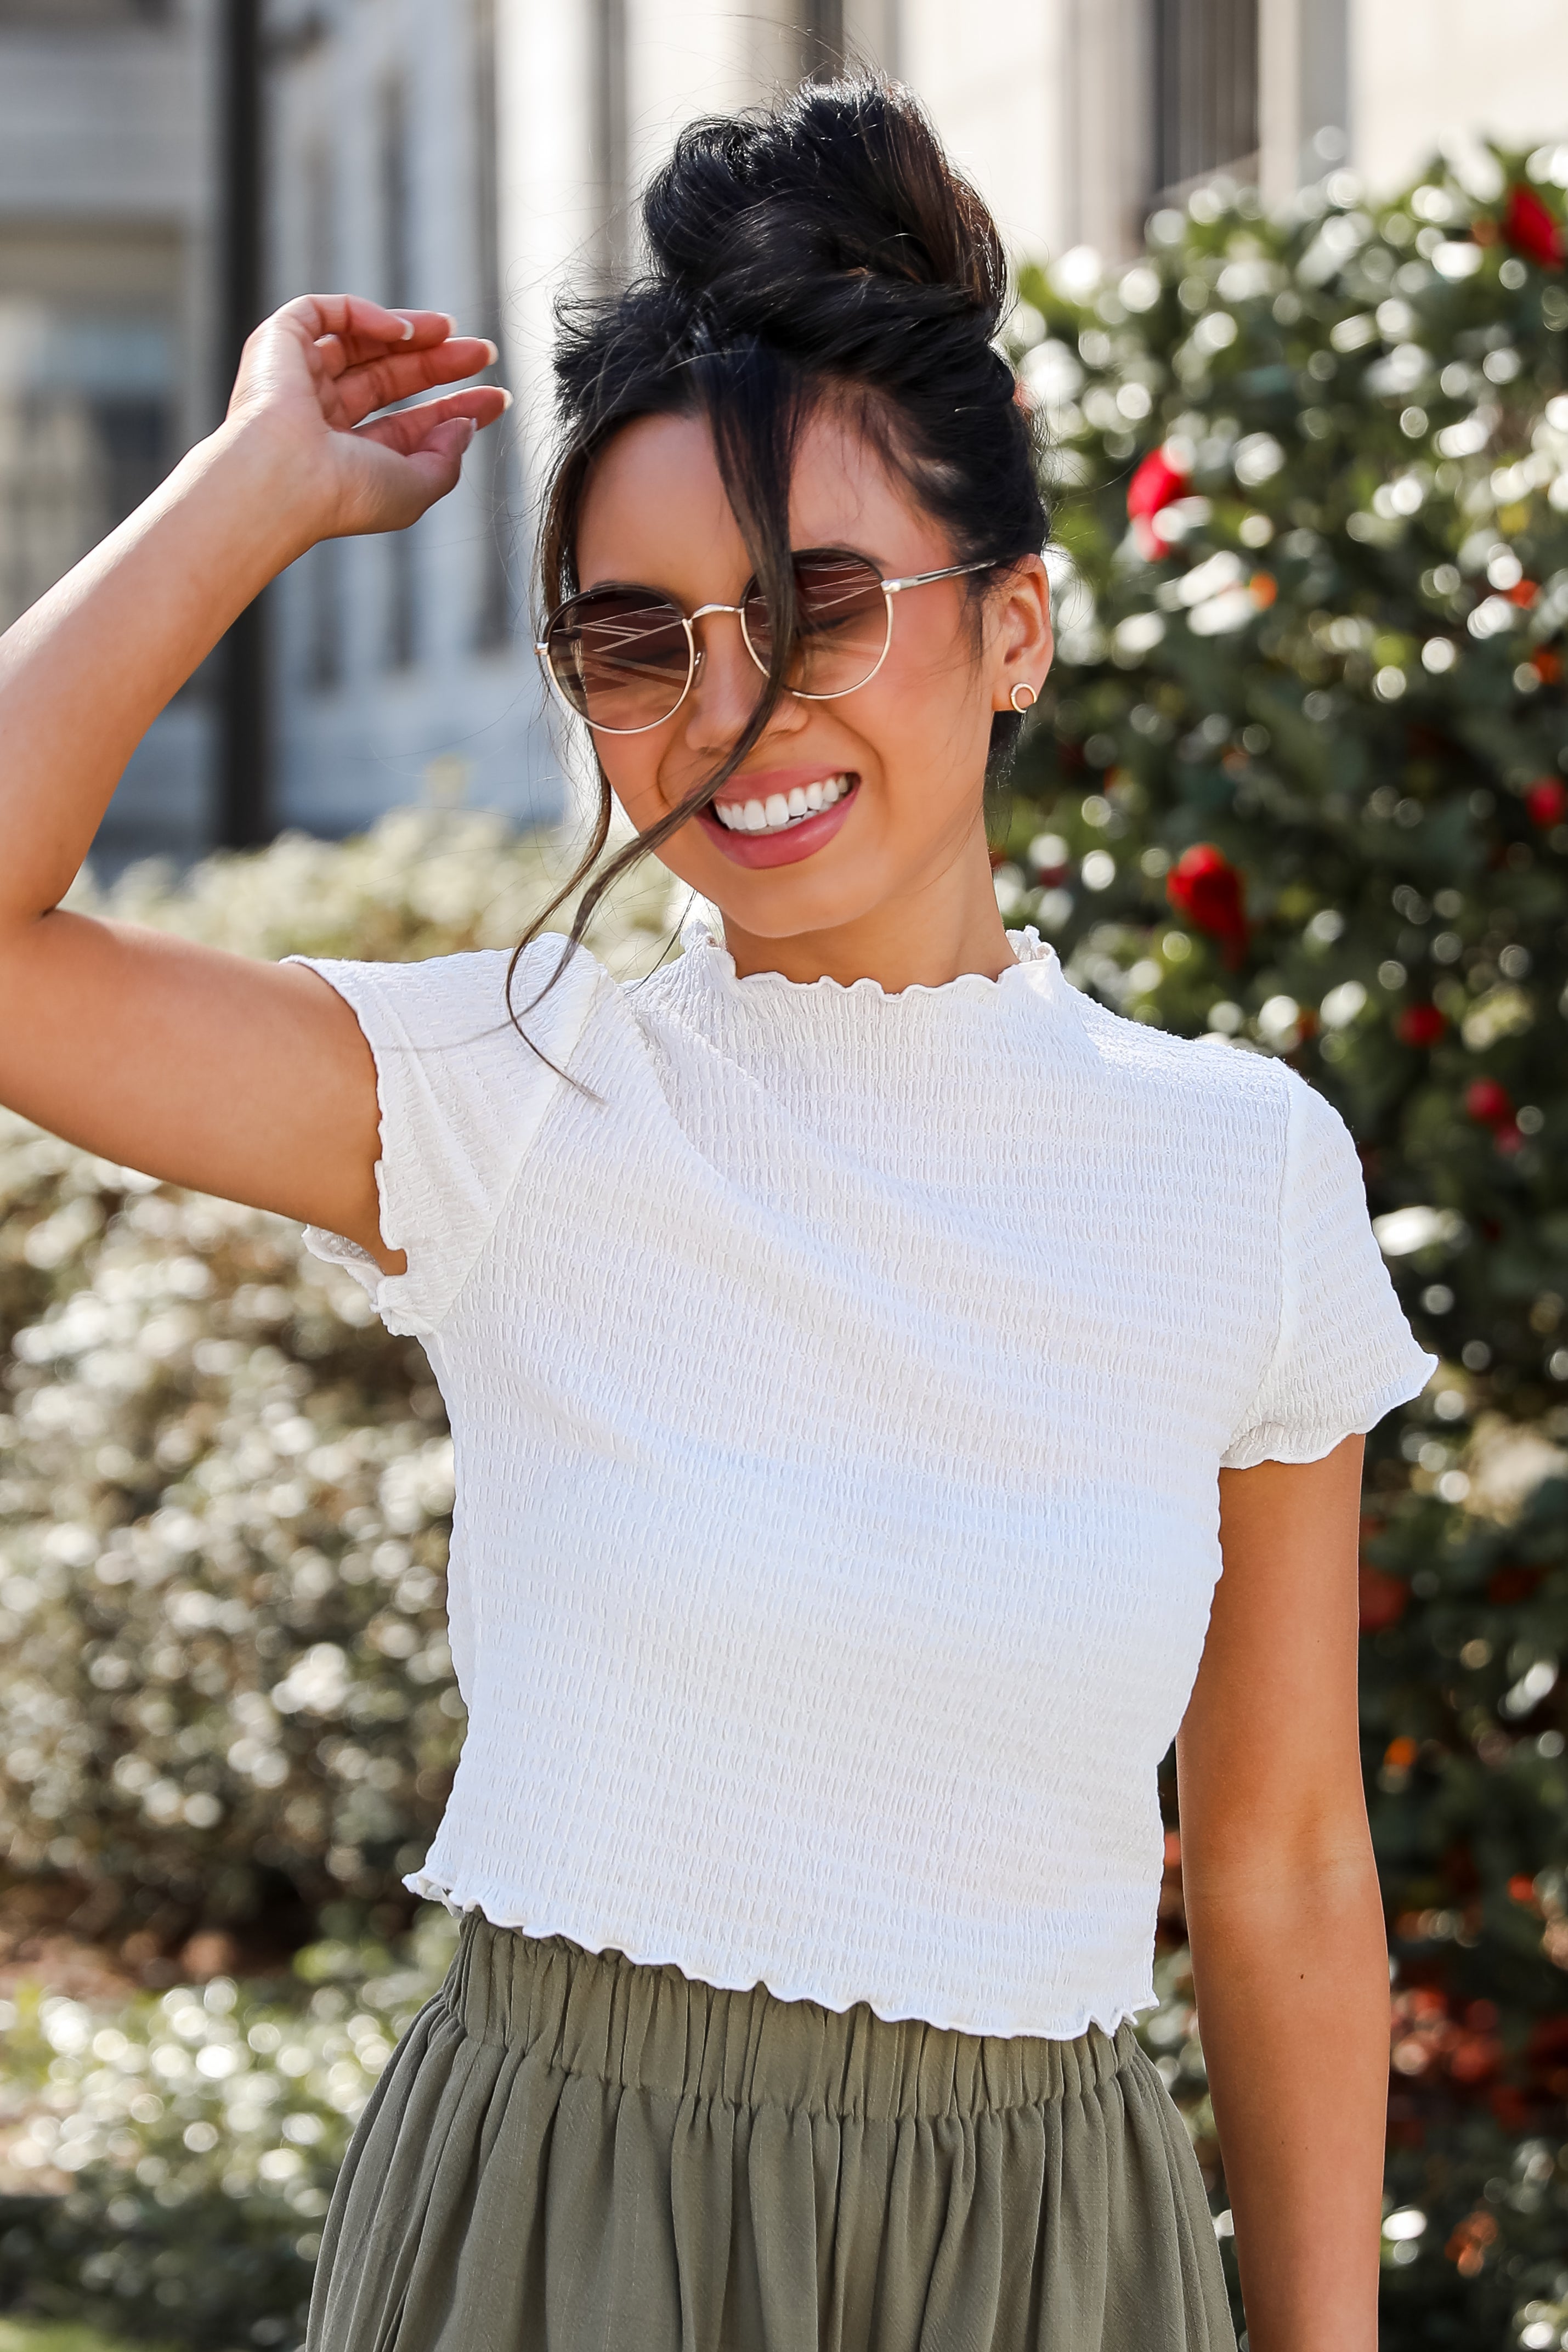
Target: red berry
[[1420, 1024], [1531, 229], [1155, 483], [1206, 887], [1547, 800], [1489, 1104], [1383, 1598]]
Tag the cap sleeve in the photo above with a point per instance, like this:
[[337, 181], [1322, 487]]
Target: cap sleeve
[[1343, 1354], [461, 1096]]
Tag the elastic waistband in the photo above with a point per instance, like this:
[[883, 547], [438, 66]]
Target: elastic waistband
[[652, 2029]]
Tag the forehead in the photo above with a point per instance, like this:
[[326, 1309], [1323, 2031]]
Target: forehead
[[655, 509]]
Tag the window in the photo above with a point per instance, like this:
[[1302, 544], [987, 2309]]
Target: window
[[86, 429], [58, 15], [1205, 89]]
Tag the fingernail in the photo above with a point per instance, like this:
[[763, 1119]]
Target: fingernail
[[505, 397], [407, 328], [494, 350]]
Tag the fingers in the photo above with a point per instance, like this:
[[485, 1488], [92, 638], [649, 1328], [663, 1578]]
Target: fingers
[[411, 430], [346, 316], [378, 382], [348, 351]]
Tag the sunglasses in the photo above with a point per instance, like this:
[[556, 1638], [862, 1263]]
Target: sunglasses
[[623, 658]]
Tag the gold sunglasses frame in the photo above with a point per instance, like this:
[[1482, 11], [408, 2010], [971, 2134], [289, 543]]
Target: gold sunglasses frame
[[890, 589]]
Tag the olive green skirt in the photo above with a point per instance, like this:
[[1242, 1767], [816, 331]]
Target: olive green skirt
[[569, 2152]]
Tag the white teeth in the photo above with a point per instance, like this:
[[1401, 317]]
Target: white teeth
[[781, 809]]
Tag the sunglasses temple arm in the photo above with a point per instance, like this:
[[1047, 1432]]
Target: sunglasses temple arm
[[948, 572]]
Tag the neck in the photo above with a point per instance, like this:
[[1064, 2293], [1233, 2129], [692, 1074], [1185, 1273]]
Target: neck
[[927, 936]]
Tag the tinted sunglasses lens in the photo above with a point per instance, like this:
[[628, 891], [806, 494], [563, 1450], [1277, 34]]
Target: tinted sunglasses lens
[[620, 656], [843, 623]]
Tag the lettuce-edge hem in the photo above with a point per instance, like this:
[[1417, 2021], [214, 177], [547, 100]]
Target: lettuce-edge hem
[[892, 2005]]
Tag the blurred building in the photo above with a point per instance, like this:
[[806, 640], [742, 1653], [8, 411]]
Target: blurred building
[[106, 172], [399, 671], [472, 154]]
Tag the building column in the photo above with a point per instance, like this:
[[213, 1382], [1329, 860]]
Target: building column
[[1303, 92]]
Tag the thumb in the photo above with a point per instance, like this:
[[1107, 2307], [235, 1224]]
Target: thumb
[[437, 463], [450, 440]]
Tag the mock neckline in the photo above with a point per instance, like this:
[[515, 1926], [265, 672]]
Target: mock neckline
[[702, 944]]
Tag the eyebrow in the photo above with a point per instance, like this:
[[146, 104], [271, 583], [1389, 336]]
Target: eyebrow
[[818, 547]]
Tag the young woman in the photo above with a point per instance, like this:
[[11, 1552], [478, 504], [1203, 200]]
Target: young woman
[[892, 1393]]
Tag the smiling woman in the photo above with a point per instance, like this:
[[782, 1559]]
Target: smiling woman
[[770, 442], [892, 1395]]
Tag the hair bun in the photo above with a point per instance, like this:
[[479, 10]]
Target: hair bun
[[843, 188]]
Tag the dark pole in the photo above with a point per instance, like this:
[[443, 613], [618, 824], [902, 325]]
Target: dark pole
[[824, 32], [243, 746]]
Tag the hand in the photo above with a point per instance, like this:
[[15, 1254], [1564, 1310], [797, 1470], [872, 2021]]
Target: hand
[[310, 376]]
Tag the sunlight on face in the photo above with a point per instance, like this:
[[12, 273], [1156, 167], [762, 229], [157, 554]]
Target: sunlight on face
[[883, 784]]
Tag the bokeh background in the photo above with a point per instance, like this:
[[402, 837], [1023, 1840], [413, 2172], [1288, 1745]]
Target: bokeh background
[[1292, 317]]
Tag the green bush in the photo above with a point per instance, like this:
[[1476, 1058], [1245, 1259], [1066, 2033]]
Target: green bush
[[203, 2131], [1299, 782]]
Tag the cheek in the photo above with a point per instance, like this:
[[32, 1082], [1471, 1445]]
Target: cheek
[[631, 764], [929, 713]]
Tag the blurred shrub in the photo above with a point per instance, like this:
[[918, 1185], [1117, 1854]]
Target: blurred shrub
[[188, 2143]]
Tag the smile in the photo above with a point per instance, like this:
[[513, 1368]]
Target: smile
[[779, 817], [779, 811]]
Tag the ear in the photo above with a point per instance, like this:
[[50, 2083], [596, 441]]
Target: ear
[[1021, 644]]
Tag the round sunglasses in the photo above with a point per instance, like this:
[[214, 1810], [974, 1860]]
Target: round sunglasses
[[624, 657]]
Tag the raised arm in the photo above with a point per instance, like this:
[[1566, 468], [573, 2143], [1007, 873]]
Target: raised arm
[[247, 1079]]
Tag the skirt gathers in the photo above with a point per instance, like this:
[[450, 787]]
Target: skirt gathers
[[569, 2152]]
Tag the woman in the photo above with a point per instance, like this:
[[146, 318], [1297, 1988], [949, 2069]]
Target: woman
[[864, 1355]]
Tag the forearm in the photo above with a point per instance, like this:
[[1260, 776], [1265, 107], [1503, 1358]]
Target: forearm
[[1291, 1976], [87, 670]]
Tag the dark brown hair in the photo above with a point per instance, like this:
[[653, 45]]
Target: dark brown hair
[[824, 248]]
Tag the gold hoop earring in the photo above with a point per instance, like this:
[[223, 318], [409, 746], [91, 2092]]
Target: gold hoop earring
[[1023, 687]]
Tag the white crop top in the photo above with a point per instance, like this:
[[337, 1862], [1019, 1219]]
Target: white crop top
[[838, 1382]]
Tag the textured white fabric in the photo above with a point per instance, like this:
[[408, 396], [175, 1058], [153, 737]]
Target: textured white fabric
[[839, 1383]]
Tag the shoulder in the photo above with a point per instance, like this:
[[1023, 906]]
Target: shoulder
[[486, 998], [1195, 1079]]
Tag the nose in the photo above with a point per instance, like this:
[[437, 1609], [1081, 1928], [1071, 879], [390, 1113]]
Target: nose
[[725, 690]]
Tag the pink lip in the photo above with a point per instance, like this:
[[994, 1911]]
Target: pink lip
[[801, 840]]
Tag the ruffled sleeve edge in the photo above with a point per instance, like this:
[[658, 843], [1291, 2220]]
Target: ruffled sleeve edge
[[1275, 1442], [388, 1293], [394, 1296], [397, 1298]]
